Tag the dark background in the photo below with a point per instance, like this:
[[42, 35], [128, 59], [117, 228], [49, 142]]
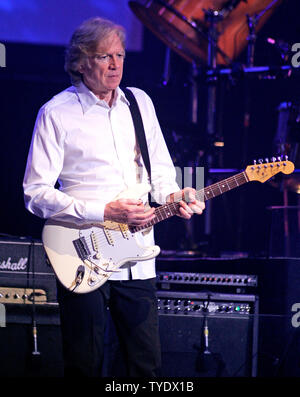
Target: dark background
[[240, 220]]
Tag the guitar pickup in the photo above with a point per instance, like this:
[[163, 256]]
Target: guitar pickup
[[94, 242], [124, 230], [82, 248], [108, 236]]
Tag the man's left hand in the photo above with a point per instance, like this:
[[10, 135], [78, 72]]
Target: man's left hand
[[189, 205]]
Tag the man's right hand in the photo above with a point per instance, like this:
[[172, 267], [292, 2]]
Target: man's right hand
[[129, 211]]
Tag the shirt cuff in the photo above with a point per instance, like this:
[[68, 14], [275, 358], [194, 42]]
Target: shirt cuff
[[94, 211]]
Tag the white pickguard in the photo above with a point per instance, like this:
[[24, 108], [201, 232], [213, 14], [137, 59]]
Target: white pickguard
[[94, 252]]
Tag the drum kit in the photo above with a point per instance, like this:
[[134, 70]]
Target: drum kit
[[211, 35]]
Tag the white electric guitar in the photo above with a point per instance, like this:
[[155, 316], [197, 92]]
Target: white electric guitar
[[83, 258]]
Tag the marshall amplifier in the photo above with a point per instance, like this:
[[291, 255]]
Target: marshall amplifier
[[31, 337], [25, 275]]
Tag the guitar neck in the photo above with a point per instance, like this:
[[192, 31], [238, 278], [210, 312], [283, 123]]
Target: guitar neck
[[170, 209]]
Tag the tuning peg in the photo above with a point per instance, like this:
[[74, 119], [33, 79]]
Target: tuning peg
[[273, 159], [266, 159], [254, 162], [279, 158], [260, 161], [286, 157]]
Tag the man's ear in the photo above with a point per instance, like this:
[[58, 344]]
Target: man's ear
[[81, 68]]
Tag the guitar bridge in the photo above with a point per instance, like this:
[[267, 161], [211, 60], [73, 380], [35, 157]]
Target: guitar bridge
[[82, 248]]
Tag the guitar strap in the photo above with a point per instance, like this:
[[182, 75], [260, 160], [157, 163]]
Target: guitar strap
[[139, 129]]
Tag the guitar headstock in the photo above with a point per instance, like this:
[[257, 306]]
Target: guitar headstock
[[262, 171]]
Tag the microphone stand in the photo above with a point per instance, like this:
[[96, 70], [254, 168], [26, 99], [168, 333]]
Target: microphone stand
[[212, 17], [35, 353]]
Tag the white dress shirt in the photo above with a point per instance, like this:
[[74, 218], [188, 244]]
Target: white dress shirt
[[90, 149]]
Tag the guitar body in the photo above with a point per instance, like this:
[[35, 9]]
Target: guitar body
[[84, 257]]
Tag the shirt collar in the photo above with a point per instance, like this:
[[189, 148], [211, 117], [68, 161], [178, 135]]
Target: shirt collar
[[88, 99]]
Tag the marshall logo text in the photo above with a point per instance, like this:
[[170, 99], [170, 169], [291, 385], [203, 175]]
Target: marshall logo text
[[13, 266]]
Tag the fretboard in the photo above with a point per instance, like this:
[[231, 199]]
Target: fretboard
[[170, 209]]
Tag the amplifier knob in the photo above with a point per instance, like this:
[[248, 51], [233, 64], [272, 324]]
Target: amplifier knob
[[16, 296]]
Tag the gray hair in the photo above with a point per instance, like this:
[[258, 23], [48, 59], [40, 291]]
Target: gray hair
[[84, 42]]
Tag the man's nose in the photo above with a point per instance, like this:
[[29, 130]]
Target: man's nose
[[114, 62]]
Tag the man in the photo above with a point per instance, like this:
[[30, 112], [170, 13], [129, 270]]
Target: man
[[84, 138]]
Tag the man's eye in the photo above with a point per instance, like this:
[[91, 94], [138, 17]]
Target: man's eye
[[102, 57]]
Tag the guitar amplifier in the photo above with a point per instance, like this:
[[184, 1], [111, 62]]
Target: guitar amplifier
[[213, 334], [25, 275]]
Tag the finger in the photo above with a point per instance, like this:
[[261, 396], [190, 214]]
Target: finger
[[184, 214], [138, 202], [197, 207], [134, 207], [189, 194], [141, 218], [185, 210], [186, 207]]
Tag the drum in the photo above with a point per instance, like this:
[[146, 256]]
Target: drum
[[182, 25]]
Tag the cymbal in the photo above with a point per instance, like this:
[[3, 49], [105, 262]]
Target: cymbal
[[182, 25]]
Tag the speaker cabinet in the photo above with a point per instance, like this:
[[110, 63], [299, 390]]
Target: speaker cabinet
[[17, 350], [229, 352]]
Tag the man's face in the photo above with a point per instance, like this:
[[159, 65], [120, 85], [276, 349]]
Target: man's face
[[102, 72]]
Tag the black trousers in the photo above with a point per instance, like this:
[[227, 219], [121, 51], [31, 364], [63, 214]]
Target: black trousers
[[133, 309]]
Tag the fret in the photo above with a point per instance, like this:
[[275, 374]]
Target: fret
[[209, 192], [166, 211], [235, 180], [223, 187], [158, 214], [219, 188]]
